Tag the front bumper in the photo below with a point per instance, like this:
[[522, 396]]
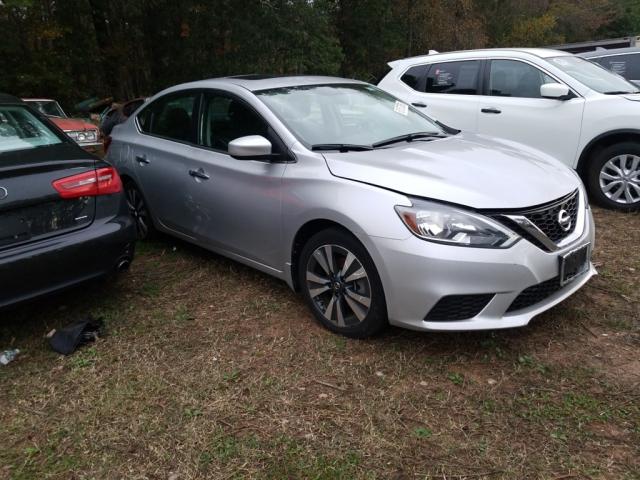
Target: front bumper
[[416, 274]]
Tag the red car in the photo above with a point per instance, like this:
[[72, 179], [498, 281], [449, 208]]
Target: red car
[[83, 133]]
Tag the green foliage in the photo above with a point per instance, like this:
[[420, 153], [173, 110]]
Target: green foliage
[[77, 49]]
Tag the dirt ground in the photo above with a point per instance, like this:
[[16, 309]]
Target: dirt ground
[[213, 370]]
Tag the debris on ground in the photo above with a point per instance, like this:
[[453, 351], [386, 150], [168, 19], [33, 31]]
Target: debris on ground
[[68, 339], [8, 356]]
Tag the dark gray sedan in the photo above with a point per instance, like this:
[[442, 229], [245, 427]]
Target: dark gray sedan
[[63, 215]]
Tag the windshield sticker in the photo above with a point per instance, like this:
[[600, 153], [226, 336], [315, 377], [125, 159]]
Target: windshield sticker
[[444, 78], [401, 108]]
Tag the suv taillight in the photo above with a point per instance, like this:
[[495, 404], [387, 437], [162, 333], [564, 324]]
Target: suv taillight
[[103, 181]]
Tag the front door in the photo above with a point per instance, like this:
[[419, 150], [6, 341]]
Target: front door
[[512, 108], [238, 201]]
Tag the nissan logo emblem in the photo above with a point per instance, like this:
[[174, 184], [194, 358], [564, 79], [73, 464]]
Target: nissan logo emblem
[[564, 220], [3, 193]]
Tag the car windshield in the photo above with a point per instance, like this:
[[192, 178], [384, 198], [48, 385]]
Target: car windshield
[[21, 130], [351, 115], [50, 108], [593, 76]]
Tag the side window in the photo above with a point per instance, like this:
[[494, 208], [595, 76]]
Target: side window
[[511, 78], [415, 77], [226, 118], [627, 65], [459, 78], [170, 117]]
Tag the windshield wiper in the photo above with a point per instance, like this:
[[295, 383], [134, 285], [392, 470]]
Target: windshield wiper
[[620, 92], [341, 147], [409, 137]]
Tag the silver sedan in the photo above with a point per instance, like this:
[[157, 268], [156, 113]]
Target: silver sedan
[[376, 213]]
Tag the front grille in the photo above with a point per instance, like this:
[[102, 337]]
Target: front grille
[[546, 218], [535, 294], [458, 307]]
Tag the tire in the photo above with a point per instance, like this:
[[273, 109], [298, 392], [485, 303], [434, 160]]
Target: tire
[[613, 177], [139, 211], [347, 301]]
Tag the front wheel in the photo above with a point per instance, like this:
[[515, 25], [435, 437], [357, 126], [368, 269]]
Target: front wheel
[[614, 177], [341, 284]]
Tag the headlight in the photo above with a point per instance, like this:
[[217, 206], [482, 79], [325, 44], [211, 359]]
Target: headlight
[[81, 137], [443, 224], [91, 135]]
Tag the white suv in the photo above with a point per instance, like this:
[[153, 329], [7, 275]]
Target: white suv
[[568, 107]]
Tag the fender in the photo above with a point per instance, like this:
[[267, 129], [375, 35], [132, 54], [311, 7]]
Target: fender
[[584, 155]]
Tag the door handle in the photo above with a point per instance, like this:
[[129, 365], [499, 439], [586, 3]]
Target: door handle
[[199, 173], [493, 110], [142, 160], [419, 104]]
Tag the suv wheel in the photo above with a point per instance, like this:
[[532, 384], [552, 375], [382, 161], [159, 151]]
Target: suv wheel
[[614, 176], [341, 284], [139, 211]]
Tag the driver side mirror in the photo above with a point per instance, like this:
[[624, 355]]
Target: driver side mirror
[[555, 91], [251, 147]]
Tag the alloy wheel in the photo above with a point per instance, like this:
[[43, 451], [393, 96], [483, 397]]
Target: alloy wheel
[[620, 179], [138, 211], [338, 285]]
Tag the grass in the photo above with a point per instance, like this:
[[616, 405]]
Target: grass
[[213, 370]]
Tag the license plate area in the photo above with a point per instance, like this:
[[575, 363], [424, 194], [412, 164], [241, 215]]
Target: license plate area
[[13, 229], [574, 263]]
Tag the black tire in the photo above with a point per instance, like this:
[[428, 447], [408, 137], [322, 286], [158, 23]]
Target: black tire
[[600, 163], [347, 288], [139, 211]]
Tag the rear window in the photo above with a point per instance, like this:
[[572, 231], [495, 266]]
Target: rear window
[[21, 130], [459, 78], [170, 116], [415, 77]]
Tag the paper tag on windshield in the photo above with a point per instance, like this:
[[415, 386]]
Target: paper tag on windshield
[[401, 108]]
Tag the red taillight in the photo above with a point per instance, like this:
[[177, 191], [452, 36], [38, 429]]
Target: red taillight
[[102, 181]]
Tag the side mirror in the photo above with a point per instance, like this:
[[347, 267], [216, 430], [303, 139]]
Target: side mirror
[[555, 91], [252, 147]]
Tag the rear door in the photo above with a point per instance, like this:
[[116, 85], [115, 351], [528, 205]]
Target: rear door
[[446, 91], [32, 157], [512, 108], [161, 159]]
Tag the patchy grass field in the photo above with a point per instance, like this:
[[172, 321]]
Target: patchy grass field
[[212, 370]]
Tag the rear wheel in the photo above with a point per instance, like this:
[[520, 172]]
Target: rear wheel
[[139, 211], [341, 284], [614, 177]]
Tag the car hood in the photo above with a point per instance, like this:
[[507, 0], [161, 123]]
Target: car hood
[[467, 169], [69, 124]]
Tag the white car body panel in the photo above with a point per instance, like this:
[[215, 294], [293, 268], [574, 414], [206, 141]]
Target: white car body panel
[[562, 129]]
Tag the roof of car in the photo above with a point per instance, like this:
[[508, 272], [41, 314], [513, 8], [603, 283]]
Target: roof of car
[[488, 52], [6, 98], [264, 82], [603, 52]]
